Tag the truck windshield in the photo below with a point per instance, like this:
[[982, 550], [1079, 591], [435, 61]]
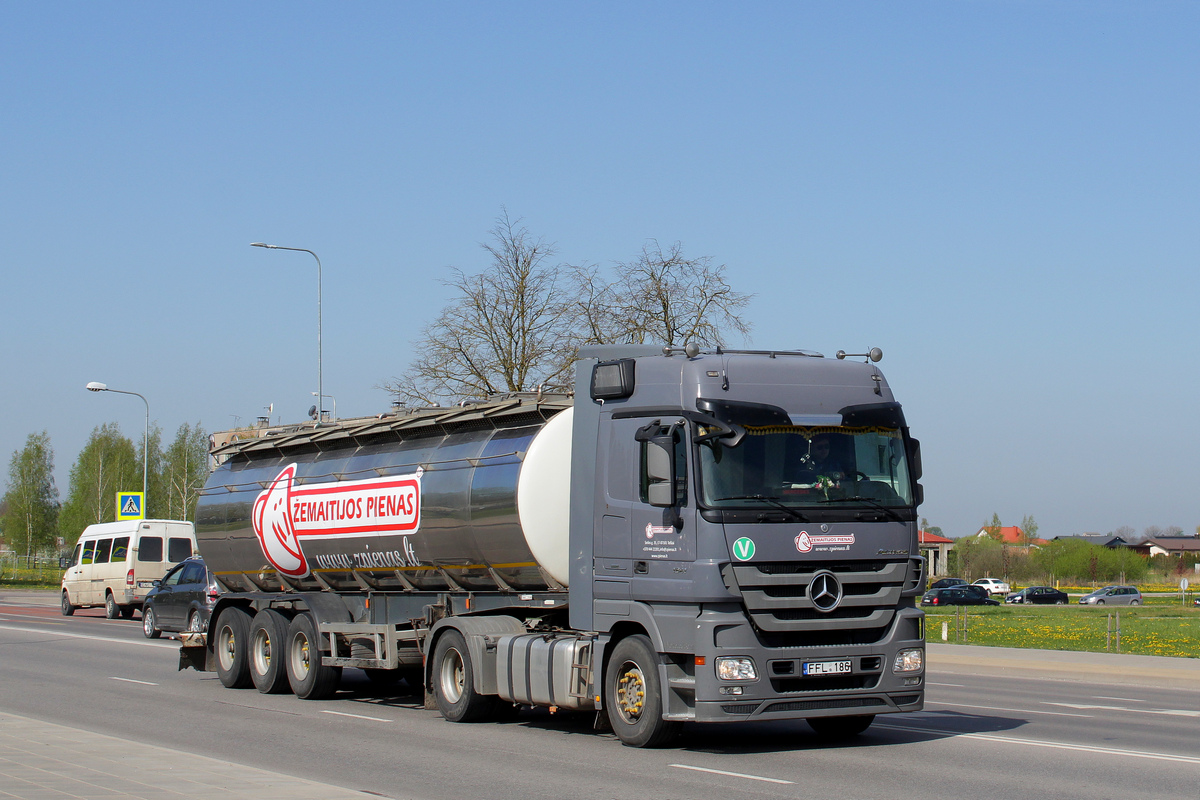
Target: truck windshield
[[803, 467]]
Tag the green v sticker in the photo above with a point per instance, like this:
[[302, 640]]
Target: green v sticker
[[743, 549]]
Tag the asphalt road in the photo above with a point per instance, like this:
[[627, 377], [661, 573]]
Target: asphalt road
[[998, 723]]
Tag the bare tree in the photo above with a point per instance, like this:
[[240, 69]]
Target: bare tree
[[660, 297], [508, 329]]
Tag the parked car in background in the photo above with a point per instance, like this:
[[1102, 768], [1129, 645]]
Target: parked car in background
[[994, 585], [1113, 596], [181, 601], [944, 583], [1038, 595], [958, 596]]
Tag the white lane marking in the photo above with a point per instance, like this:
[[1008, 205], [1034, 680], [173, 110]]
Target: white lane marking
[[86, 636], [1172, 712], [955, 685], [1085, 748], [356, 716], [730, 774], [131, 680], [1015, 710], [1122, 699]]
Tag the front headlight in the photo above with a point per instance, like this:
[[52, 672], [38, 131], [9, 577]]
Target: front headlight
[[736, 668], [910, 660]]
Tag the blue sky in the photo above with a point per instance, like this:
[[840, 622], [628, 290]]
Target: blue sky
[[1004, 196]]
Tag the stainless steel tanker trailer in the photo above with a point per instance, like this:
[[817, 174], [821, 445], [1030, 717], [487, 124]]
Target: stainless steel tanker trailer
[[693, 536]]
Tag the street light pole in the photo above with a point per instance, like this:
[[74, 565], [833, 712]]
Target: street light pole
[[96, 386], [320, 387]]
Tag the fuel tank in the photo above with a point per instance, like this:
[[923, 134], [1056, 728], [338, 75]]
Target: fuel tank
[[466, 498]]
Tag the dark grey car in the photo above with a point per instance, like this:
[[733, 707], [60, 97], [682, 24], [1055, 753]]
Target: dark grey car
[[181, 601]]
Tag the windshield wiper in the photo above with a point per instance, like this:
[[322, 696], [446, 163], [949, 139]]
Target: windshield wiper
[[871, 501], [763, 498]]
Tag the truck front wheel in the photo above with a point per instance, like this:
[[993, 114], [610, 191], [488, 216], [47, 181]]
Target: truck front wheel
[[454, 681], [633, 695], [309, 678]]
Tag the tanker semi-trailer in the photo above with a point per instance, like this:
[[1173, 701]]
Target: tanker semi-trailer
[[692, 536]]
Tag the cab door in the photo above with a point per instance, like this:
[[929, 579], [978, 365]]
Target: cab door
[[72, 581]]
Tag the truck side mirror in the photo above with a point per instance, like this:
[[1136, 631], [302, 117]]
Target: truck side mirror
[[660, 471], [914, 459]]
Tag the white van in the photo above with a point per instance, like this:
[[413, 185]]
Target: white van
[[115, 564]]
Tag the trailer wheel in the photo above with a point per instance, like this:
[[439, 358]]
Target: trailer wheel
[[454, 681], [67, 608], [149, 624], [309, 678], [633, 695], [841, 727], [111, 609], [229, 644], [268, 664]]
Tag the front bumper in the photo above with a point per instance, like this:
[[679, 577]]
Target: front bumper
[[781, 691]]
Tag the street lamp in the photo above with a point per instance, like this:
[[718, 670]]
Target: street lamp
[[96, 386], [320, 386]]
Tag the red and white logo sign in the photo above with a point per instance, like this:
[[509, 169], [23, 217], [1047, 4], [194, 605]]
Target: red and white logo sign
[[805, 543], [285, 514]]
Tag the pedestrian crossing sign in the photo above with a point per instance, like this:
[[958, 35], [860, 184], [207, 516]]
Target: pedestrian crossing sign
[[131, 505]]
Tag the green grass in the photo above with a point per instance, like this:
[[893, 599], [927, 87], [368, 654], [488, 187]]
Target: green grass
[[1161, 628]]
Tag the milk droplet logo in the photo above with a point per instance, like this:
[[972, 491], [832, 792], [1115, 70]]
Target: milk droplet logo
[[273, 526]]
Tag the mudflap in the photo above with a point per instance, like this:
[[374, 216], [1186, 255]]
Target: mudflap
[[193, 652]]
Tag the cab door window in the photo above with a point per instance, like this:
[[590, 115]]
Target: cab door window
[[89, 552]]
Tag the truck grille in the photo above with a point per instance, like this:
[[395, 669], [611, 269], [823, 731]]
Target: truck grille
[[775, 596]]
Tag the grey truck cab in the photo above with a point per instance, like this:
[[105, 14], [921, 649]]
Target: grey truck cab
[[776, 578]]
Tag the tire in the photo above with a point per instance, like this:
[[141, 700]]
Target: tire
[[1060, 602], [229, 648], [841, 727], [193, 623], [127, 612], [111, 609], [1134, 603], [268, 664], [67, 608], [149, 628], [308, 677], [453, 679], [633, 695], [1099, 602]]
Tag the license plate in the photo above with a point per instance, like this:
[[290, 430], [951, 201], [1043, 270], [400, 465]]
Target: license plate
[[145, 584], [825, 667]]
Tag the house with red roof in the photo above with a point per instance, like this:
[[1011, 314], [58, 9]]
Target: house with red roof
[[1013, 535], [935, 549]]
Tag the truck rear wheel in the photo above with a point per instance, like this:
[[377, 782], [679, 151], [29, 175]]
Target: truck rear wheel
[[454, 681], [633, 695], [268, 665], [229, 646], [309, 678], [111, 609], [841, 727]]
